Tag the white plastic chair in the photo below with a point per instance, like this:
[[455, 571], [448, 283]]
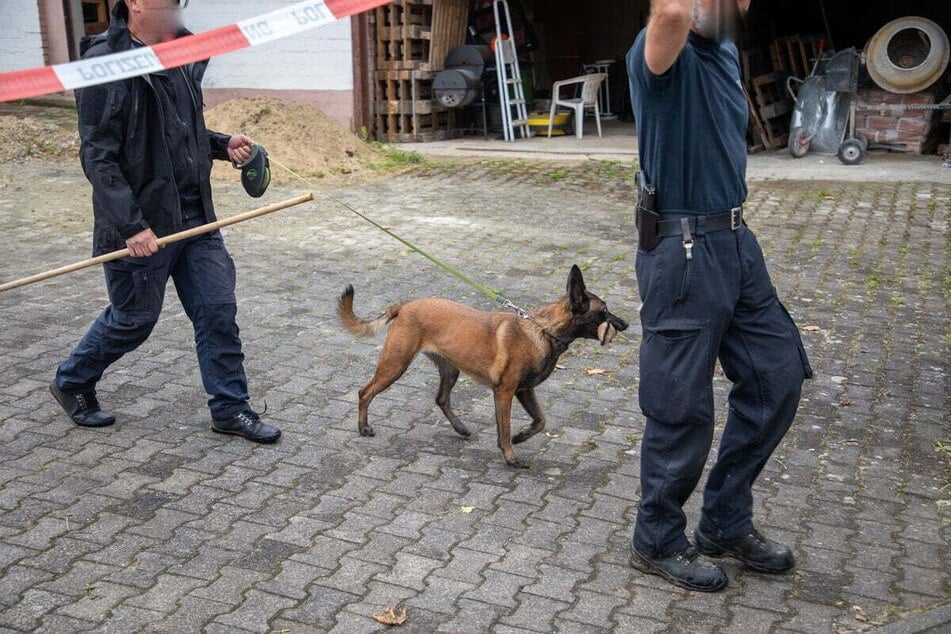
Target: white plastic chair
[[591, 85]]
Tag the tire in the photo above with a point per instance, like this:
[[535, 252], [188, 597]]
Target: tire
[[798, 143], [851, 152]]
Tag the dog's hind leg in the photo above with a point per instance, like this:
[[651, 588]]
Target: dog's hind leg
[[448, 375], [530, 403], [397, 355]]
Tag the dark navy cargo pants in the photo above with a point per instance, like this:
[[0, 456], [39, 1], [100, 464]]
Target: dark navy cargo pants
[[719, 305], [204, 276]]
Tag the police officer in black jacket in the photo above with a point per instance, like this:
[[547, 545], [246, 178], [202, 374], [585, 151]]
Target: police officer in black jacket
[[148, 156]]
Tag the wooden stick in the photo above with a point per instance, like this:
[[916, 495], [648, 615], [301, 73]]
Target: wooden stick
[[175, 237]]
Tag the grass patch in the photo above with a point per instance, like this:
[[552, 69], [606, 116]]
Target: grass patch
[[396, 159]]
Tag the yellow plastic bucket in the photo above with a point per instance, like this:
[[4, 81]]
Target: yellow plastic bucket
[[538, 123]]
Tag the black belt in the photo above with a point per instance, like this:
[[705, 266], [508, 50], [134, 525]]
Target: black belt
[[727, 220]]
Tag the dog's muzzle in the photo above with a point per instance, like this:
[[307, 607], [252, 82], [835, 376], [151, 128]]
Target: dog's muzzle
[[609, 329]]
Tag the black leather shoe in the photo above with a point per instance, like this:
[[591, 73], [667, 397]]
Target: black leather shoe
[[754, 550], [82, 408], [683, 569], [249, 425]]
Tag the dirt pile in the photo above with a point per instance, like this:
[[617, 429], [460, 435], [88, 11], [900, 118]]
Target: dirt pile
[[39, 137], [298, 135]]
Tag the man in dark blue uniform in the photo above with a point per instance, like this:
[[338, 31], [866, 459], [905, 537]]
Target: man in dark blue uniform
[[706, 295], [148, 155]]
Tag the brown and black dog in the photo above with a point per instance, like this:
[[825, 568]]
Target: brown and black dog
[[510, 354]]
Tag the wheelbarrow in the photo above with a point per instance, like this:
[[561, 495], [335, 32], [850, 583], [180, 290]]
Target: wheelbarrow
[[823, 118]]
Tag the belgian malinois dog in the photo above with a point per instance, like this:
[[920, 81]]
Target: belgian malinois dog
[[508, 353]]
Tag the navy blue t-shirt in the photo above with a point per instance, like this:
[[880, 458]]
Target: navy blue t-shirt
[[691, 126]]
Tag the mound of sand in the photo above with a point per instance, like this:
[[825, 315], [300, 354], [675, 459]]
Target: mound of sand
[[24, 138], [296, 134]]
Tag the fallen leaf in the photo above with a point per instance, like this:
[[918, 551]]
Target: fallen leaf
[[593, 371], [558, 366], [812, 329], [391, 616], [845, 403], [467, 509], [859, 613], [551, 435], [828, 198]]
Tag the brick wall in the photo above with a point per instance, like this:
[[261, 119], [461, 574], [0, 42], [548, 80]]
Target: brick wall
[[910, 128]]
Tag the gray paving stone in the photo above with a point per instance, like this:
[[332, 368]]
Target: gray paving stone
[[256, 612], [192, 614], [410, 571], [534, 613], [166, 594]]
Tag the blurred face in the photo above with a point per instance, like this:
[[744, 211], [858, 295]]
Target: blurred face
[[155, 21], [719, 19]]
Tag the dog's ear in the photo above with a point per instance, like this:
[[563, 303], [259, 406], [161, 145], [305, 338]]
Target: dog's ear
[[577, 295]]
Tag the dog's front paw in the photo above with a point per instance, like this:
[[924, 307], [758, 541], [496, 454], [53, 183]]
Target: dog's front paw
[[517, 463], [522, 436], [367, 432]]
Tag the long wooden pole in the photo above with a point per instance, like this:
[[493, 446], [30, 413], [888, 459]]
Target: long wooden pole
[[175, 237]]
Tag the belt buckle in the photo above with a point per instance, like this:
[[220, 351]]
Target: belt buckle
[[736, 218]]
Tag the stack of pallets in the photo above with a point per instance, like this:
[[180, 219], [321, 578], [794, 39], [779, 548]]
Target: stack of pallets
[[413, 38], [765, 84]]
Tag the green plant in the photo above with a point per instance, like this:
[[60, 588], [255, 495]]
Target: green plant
[[394, 159]]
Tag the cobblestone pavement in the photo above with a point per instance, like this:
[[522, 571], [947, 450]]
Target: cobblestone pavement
[[158, 525]]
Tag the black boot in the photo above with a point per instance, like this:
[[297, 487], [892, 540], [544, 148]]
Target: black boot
[[83, 408], [754, 550], [683, 569], [247, 424]]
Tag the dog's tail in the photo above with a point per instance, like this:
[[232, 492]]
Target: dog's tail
[[359, 327]]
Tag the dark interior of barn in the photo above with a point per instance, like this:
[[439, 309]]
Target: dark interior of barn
[[560, 39]]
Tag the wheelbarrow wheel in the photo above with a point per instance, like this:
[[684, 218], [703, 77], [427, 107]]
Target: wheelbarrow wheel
[[851, 152], [798, 142]]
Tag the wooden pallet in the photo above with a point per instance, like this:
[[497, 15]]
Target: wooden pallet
[[405, 13], [450, 22], [407, 128], [406, 109], [399, 53], [405, 92], [771, 107], [418, 34], [794, 54]]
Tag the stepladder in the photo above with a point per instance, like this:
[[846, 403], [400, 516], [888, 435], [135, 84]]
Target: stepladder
[[511, 89]]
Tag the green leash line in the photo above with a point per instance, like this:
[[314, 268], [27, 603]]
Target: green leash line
[[485, 290]]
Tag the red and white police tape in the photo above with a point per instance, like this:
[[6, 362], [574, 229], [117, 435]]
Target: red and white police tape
[[291, 20]]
